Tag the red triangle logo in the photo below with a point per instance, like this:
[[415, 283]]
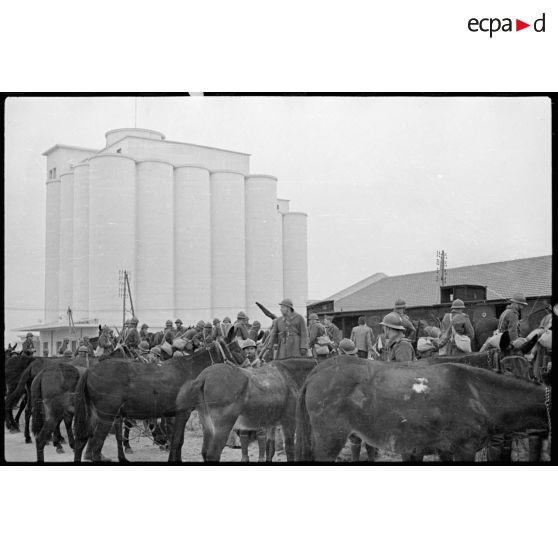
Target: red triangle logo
[[519, 25]]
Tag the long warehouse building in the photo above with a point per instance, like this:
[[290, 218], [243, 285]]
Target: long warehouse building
[[199, 235]]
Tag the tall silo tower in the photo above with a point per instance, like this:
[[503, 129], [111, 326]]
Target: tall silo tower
[[264, 274], [295, 259], [192, 244]]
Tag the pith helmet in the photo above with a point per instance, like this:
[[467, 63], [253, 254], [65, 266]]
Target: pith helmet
[[134, 321], [347, 347], [201, 323], [168, 323], [127, 322], [248, 343], [241, 316], [82, 349], [256, 324], [400, 303], [393, 320], [68, 353], [156, 351], [227, 320], [29, 335], [287, 302], [518, 298], [457, 303], [144, 326], [313, 317], [178, 321], [216, 321], [144, 345], [208, 325]]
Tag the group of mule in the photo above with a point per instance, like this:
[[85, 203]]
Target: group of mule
[[449, 406]]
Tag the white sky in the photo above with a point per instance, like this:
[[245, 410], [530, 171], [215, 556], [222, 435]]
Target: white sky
[[386, 181]]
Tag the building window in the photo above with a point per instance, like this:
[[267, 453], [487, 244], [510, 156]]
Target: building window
[[74, 346], [54, 172], [119, 150]]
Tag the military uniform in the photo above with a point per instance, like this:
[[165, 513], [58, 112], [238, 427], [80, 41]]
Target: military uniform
[[291, 335], [316, 330], [27, 347], [168, 335], [334, 333], [241, 331], [509, 321], [105, 342], [462, 325], [400, 349], [132, 339]]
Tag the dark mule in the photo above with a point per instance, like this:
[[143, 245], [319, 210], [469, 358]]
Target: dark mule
[[52, 394], [411, 409], [122, 388], [14, 367], [228, 397], [23, 388]]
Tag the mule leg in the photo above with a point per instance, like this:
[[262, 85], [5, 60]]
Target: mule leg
[[22, 407], [270, 443], [177, 440], [98, 439], [288, 427], [222, 427], [28, 412], [119, 439], [68, 418], [52, 420], [244, 443], [356, 444], [328, 443], [261, 437], [372, 452], [126, 437]]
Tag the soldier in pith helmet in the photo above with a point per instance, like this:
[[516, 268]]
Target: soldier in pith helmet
[[28, 348], [398, 347], [289, 332]]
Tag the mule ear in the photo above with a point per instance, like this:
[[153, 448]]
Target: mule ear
[[505, 340], [230, 335], [260, 335]]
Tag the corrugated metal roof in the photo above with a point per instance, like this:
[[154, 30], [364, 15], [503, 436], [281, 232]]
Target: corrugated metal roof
[[530, 276]]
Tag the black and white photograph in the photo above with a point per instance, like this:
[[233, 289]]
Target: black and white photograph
[[278, 279]]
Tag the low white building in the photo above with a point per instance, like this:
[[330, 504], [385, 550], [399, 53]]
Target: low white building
[[48, 338]]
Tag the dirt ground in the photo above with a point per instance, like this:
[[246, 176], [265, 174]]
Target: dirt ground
[[144, 450]]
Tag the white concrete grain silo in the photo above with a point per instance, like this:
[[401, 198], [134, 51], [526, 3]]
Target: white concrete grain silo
[[198, 242], [112, 231], [295, 259], [192, 244], [52, 250], [81, 242], [154, 234], [228, 256], [66, 288], [263, 275]]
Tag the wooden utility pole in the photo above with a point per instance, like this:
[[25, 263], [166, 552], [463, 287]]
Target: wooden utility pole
[[441, 265]]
